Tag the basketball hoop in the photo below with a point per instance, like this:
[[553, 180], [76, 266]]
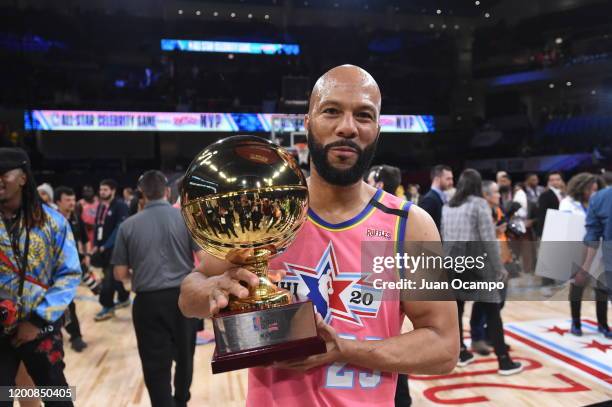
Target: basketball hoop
[[302, 153]]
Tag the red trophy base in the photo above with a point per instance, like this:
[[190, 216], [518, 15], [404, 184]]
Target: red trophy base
[[258, 338]]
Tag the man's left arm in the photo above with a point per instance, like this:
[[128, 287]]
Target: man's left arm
[[66, 276], [432, 347]]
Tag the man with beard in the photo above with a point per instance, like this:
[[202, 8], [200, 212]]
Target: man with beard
[[365, 351], [109, 215]]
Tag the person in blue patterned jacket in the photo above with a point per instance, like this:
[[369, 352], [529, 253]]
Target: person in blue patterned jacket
[[39, 273]]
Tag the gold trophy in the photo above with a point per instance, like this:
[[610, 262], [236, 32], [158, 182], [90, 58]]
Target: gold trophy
[[244, 199]]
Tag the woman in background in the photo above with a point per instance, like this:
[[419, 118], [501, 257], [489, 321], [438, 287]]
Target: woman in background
[[467, 218], [579, 191]]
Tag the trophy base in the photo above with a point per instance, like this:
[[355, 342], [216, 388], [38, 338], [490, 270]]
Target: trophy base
[[260, 337], [266, 355]]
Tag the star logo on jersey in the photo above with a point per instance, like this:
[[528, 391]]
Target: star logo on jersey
[[335, 294]]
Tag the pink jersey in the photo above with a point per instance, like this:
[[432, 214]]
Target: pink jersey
[[324, 265]]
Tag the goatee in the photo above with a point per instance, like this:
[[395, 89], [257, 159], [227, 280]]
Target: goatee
[[335, 176]]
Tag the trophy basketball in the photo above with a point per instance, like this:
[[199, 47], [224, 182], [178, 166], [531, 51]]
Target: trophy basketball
[[244, 199]]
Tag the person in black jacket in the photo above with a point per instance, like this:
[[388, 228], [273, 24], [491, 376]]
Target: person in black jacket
[[109, 215], [549, 199], [432, 202]]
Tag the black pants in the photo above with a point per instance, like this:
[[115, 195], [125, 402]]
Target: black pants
[[110, 286], [495, 327], [43, 359], [402, 392], [73, 327], [163, 335], [601, 307]]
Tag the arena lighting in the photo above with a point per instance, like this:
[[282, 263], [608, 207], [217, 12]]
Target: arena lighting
[[432, 25], [198, 13], [267, 17], [215, 14], [470, 98], [84, 121], [487, 15], [256, 48], [477, 3], [558, 40], [250, 15], [593, 92], [568, 83], [233, 15], [551, 85], [456, 26], [180, 11], [438, 11], [444, 26]]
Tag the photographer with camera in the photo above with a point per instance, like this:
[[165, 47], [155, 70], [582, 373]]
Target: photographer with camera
[[39, 273]]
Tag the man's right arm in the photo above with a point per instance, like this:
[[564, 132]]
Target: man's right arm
[[203, 296], [205, 291]]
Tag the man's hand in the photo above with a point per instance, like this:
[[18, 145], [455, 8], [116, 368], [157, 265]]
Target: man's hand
[[203, 296], [26, 332], [581, 277], [333, 343], [86, 261], [229, 284]]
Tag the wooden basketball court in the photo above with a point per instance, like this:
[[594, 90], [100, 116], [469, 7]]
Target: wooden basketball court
[[561, 370]]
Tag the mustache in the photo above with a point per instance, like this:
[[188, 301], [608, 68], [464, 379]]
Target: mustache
[[343, 143]]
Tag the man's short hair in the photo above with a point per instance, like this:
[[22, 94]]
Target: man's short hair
[[553, 173], [390, 176], [63, 190], [109, 182], [153, 184], [486, 186], [438, 170], [502, 174]]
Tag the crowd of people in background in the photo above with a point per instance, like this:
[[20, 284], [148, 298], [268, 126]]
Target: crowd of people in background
[[511, 216], [515, 217]]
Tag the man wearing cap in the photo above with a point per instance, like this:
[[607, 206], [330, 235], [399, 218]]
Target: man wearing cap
[[39, 273]]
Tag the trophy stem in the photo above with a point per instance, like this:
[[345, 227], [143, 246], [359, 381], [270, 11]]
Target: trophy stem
[[265, 294], [259, 263]]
